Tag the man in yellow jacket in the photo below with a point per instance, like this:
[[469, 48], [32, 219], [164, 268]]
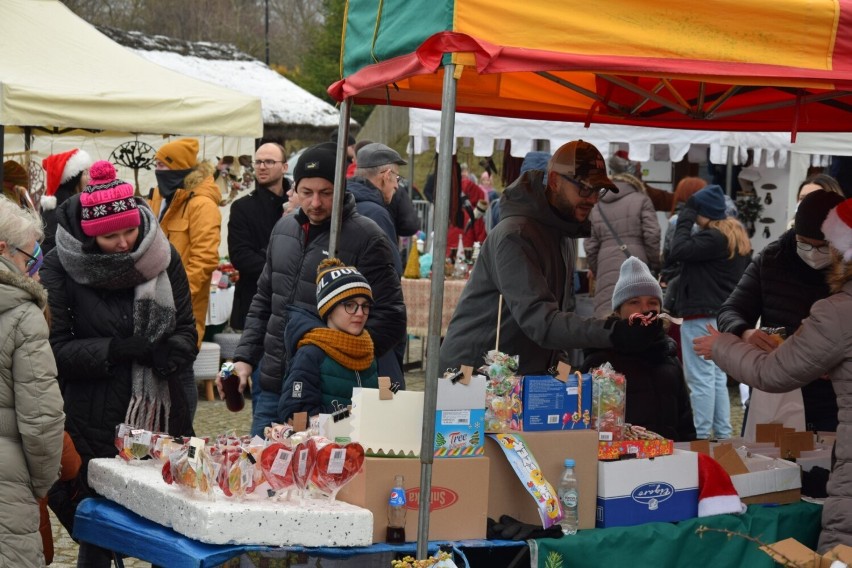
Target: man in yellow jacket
[[186, 202]]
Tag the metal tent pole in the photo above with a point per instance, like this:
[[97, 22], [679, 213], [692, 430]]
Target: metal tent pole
[[339, 177], [439, 251]]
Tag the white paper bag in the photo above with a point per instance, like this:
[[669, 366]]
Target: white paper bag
[[780, 408]]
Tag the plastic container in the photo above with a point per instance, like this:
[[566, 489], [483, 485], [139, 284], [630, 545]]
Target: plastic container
[[568, 493], [396, 511]]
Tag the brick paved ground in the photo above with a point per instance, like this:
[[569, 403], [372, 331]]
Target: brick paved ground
[[213, 418]]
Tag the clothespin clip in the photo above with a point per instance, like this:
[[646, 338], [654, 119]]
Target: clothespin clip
[[562, 371], [300, 421], [385, 392]]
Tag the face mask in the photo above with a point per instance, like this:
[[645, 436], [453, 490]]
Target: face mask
[[814, 258], [169, 181]]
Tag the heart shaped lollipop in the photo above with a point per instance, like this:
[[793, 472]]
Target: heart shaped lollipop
[[336, 464]]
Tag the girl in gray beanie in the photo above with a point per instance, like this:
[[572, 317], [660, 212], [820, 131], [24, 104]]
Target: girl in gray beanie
[[657, 397]]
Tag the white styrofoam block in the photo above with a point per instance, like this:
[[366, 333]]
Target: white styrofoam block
[[139, 486]]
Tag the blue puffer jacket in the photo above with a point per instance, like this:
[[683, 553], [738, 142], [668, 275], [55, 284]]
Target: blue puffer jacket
[[369, 203], [316, 383]]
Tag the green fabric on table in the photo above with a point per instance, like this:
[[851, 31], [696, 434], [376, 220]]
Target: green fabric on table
[[673, 545]]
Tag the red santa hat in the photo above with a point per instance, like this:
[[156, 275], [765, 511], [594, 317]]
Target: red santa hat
[[58, 169], [716, 492], [837, 228]]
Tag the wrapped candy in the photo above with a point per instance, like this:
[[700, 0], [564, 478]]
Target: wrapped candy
[[275, 464], [502, 392], [335, 465], [192, 469], [132, 443], [609, 398]]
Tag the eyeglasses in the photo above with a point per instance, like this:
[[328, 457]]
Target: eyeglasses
[[808, 246], [398, 177], [584, 189], [352, 308], [36, 259], [267, 163]]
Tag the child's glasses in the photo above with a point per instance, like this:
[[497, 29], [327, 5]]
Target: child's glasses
[[352, 308]]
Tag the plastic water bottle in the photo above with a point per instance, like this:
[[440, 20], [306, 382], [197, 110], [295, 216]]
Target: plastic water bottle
[[569, 497], [396, 511]]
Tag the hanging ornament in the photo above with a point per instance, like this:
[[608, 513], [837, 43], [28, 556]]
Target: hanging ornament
[[766, 232], [768, 199]]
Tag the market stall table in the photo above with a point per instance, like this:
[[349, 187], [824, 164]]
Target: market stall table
[[416, 292], [678, 544], [109, 525]]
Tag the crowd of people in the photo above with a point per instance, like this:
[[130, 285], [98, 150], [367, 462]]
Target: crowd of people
[[105, 295]]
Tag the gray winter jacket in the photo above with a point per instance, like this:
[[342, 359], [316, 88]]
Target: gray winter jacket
[[632, 216], [528, 258], [822, 344], [31, 417]]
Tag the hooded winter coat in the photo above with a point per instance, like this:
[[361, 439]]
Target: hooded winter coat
[[632, 216], [84, 321], [31, 418], [528, 258], [324, 384], [778, 289], [296, 247], [823, 344], [657, 395], [192, 223]]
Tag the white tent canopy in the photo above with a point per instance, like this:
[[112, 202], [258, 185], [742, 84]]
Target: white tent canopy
[[772, 147], [57, 71]]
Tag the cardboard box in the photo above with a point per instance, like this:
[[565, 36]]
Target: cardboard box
[[460, 418], [768, 480], [547, 403], [507, 495], [459, 496], [791, 550], [633, 492]]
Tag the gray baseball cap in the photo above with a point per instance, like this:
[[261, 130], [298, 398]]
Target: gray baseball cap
[[376, 154]]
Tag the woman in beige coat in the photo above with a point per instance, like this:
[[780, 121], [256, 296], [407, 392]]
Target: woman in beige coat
[[823, 344], [31, 417]]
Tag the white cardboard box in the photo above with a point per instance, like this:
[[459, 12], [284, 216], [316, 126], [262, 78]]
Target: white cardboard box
[[633, 492], [766, 475]]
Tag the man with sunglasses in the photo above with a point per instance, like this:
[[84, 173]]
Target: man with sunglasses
[[251, 221], [528, 260]]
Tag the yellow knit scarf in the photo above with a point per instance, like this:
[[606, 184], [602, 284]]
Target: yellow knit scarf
[[355, 352]]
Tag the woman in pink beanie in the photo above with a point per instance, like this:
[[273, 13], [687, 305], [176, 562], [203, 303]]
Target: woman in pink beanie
[[123, 333]]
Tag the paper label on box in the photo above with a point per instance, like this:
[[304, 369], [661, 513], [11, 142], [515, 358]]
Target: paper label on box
[[281, 462], [455, 417]]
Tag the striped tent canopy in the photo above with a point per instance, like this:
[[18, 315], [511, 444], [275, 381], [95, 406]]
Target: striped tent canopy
[[758, 65]]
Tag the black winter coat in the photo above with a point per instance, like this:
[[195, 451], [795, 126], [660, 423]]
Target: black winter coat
[[249, 226], [49, 217], [370, 204], [657, 396], [84, 321], [779, 289], [707, 275], [289, 278], [403, 213]]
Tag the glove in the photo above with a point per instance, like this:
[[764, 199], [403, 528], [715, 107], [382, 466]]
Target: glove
[[133, 348], [635, 338], [168, 359], [509, 528]]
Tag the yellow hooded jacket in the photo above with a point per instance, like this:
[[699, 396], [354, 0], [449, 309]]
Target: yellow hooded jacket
[[192, 224]]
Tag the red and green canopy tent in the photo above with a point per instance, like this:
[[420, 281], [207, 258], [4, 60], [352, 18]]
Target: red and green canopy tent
[[753, 65]]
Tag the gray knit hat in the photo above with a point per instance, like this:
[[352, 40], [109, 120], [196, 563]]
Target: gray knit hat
[[635, 280]]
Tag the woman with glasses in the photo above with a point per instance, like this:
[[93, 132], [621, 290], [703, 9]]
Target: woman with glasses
[[31, 417], [712, 262], [330, 352], [779, 287]]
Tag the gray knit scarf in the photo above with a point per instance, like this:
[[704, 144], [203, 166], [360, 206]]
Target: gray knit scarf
[[146, 270]]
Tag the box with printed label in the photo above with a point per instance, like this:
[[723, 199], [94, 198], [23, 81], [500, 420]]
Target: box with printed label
[[549, 404], [637, 491], [460, 418]]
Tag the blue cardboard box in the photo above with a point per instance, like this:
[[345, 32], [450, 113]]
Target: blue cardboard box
[[549, 404], [634, 492]]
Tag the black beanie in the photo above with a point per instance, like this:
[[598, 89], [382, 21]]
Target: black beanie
[[812, 211], [317, 161]]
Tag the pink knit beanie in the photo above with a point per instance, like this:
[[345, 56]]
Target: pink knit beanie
[[108, 202]]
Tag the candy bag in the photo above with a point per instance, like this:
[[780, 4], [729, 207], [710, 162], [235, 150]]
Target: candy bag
[[609, 397]]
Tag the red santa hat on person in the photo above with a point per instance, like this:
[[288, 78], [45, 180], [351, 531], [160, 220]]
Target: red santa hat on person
[[58, 169], [837, 228], [716, 492]]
